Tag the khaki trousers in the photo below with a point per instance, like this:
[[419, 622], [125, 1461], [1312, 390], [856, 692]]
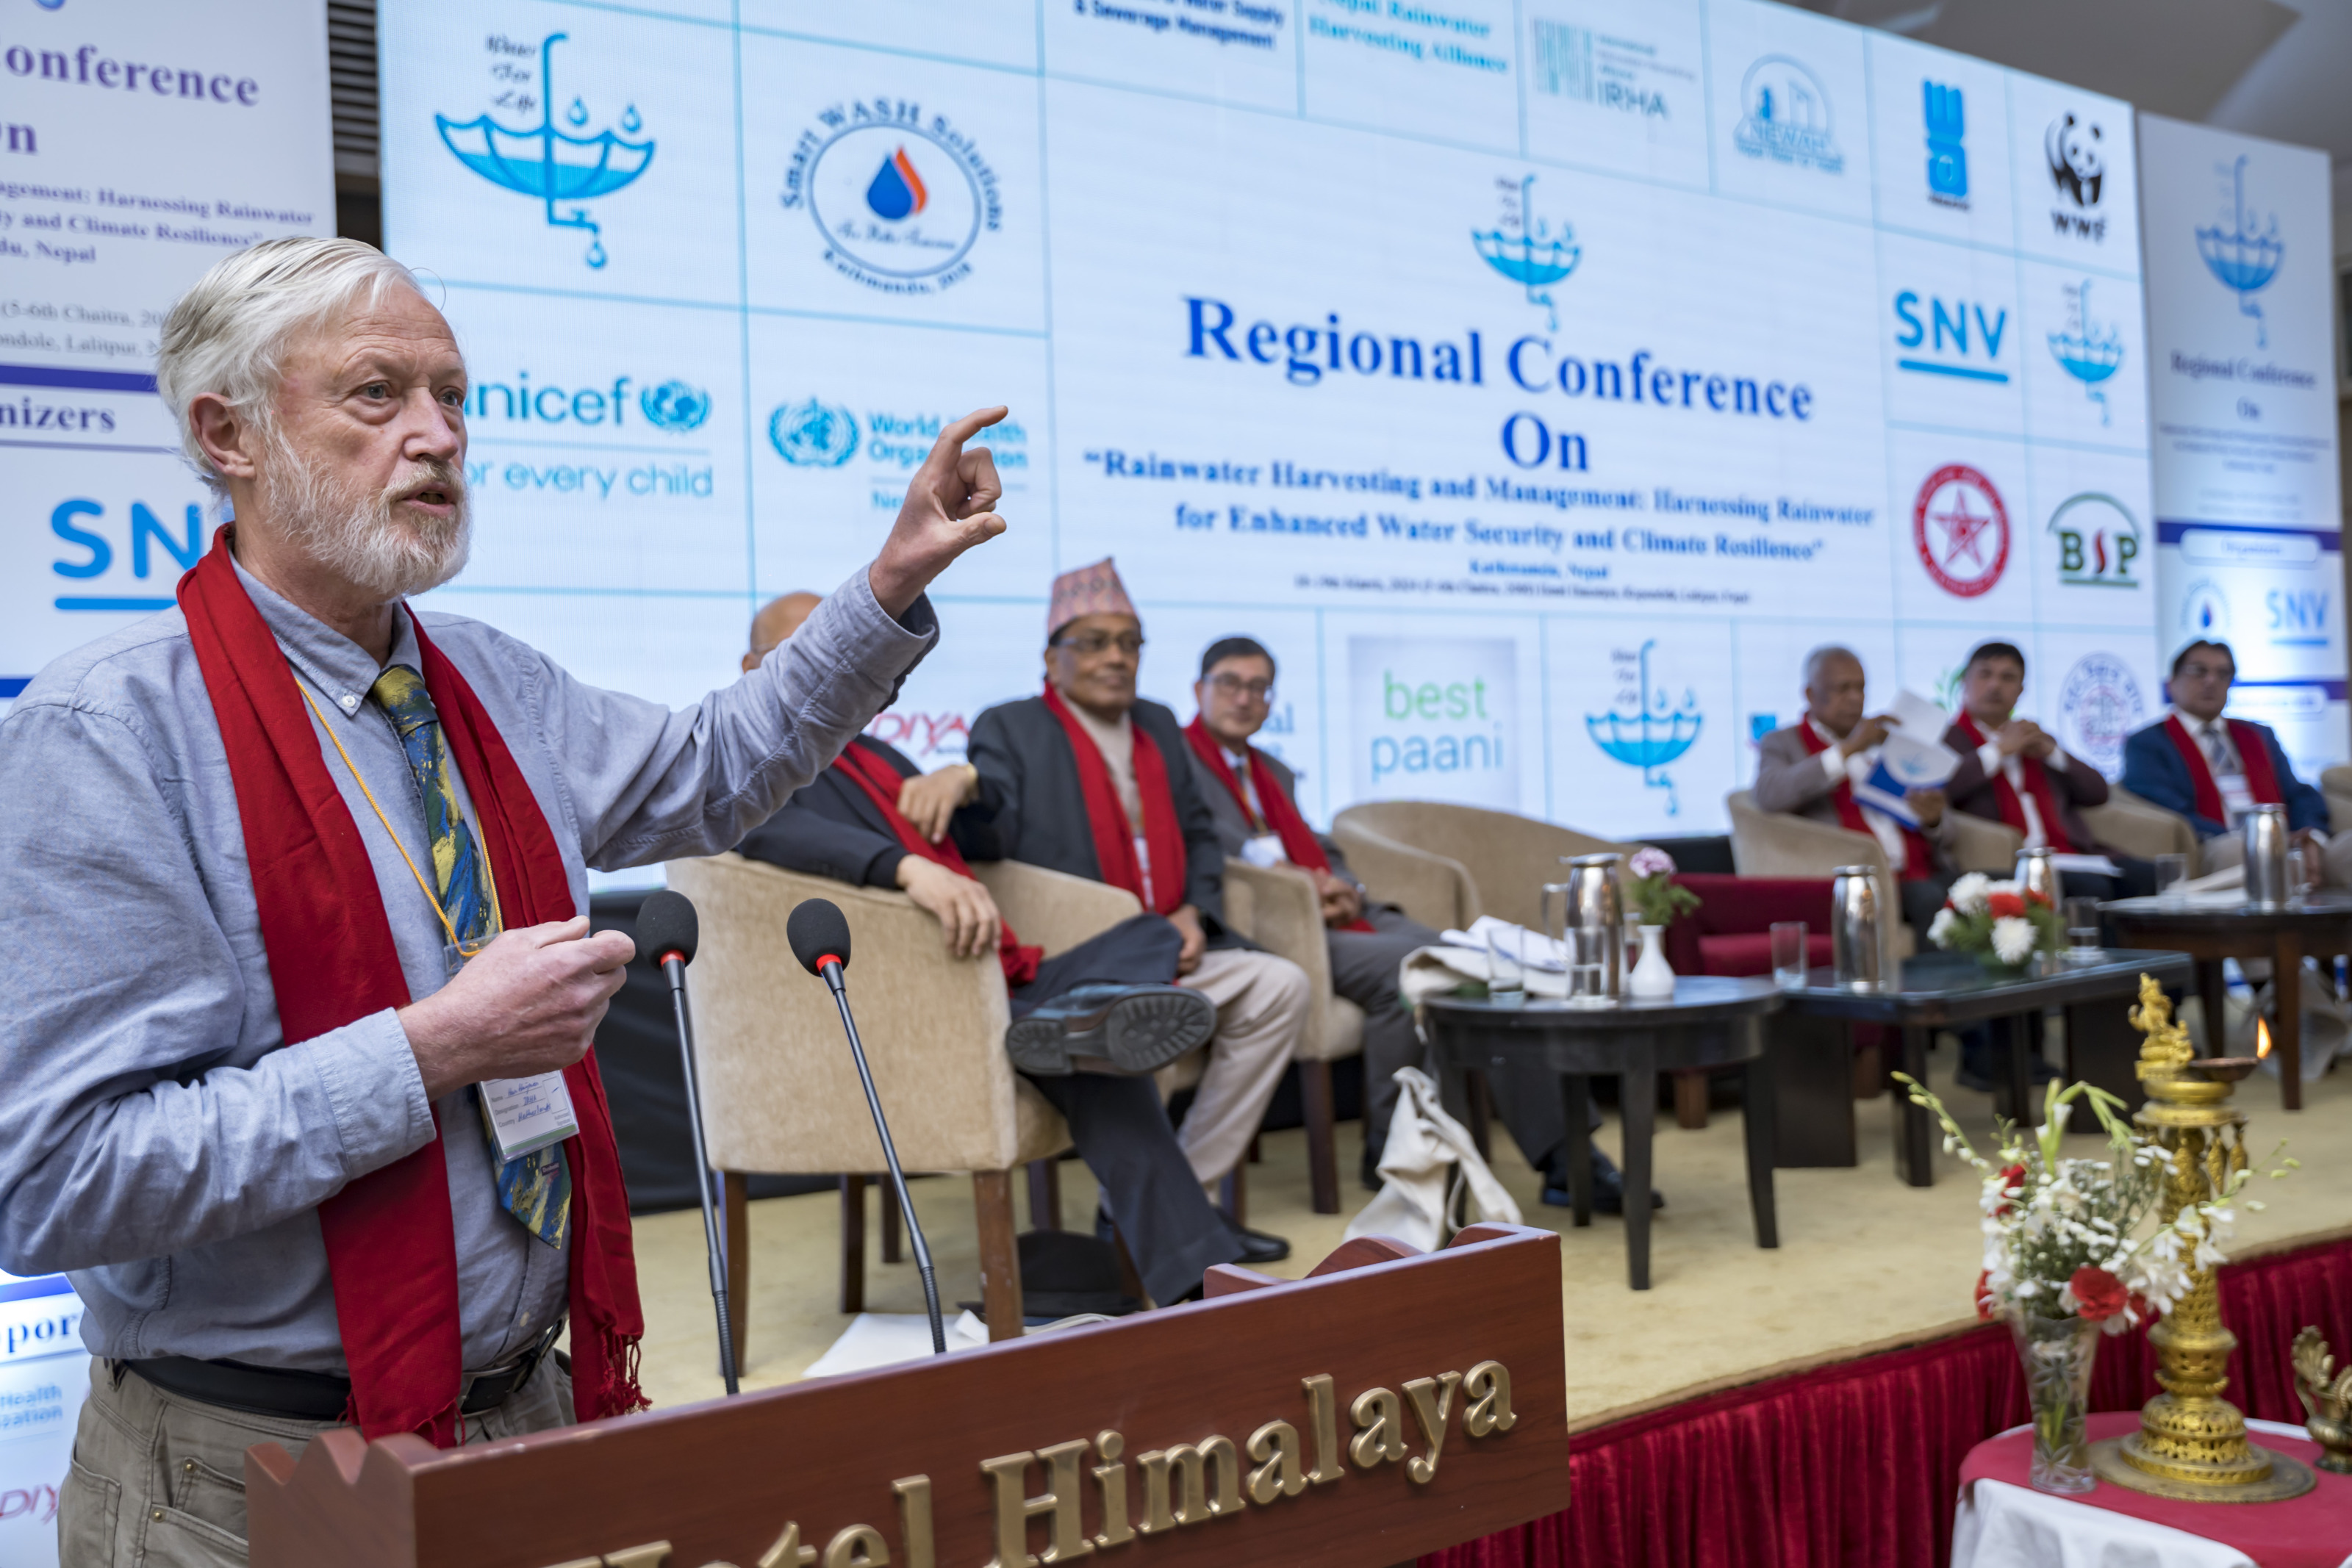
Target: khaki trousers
[[158, 1480], [1261, 1004]]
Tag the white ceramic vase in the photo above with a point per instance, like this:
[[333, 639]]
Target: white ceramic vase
[[1652, 978]]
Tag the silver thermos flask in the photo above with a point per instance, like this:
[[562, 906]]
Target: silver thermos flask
[[2265, 831], [2035, 874], [1591, 928], [1861, 929]]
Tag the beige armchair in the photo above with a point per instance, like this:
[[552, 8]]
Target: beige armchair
[[780, 1091], [1434, 889], [1505, 858], [1277, 909], [2335, 783], [1777, 844], [2141, 828]]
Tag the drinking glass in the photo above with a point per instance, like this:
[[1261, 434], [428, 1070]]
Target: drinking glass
[[1588, 959], [1789, 956], [1506, 973], [2171, 871], [2083, 926], [2302, 869]]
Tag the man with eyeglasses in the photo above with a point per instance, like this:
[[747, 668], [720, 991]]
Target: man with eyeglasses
[[2212, 769], [1090, 779]]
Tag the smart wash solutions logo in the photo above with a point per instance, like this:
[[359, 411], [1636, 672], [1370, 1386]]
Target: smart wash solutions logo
[[1786, 116], [899, 198]]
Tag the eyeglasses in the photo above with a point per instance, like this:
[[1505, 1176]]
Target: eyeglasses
[[1231, 685], [2196, 671], [1128, 643]]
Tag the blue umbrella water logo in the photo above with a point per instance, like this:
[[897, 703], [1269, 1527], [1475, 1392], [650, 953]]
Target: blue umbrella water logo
[[1656, 733], [1535, 258], [2088, 351], [2243, 259], [550, 165]]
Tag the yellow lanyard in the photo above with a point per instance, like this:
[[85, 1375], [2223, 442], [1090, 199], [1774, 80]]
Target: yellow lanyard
[[498, 919]]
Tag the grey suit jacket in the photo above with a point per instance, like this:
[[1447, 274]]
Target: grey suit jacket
[[1791, 778], [1232, 825]]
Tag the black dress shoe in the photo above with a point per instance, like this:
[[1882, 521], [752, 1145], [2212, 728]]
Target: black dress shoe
[[1257, 1247], [1136, 1030], [1608, 1188]]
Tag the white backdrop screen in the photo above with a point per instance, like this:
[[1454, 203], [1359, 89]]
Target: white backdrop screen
[[1538, 380]]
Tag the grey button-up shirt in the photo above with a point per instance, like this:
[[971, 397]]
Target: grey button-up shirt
[[160, 1143]]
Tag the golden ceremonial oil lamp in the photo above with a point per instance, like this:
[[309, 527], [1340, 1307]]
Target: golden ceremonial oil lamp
[[2191, 1443]]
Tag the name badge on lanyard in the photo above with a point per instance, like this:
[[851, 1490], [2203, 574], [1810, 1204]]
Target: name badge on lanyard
[[526, 1114], [1264, 851], [2236, 798]]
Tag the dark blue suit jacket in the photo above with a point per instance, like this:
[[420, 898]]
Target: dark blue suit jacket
[[2153, 770]]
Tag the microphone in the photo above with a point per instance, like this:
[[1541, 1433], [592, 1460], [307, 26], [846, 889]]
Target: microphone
[[668, 929], [819, 934]]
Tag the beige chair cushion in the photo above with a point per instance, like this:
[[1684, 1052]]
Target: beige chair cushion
[[2141, 828], [1276, 908], [1775, 843], [1432, 888], [1506, 857], [2335, 784]]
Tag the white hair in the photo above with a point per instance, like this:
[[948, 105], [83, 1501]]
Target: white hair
[[1822, 656], [229, 333]]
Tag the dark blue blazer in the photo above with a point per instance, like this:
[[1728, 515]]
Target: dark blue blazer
[[2153, 770]]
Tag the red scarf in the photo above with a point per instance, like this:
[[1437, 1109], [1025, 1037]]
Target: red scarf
[[1162, 891], [2253, 754], [881, 781], [1919, 860], [2037, 778], [391, 1242], [1279, 812]]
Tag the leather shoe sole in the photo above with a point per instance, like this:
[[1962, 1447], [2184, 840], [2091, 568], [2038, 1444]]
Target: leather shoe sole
[[1137, 1029]]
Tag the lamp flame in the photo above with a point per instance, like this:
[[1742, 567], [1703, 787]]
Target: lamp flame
[[2261, 1039]]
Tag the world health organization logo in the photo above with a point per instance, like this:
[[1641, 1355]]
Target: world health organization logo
[[1786, 116], [813, 434], [899, 198]]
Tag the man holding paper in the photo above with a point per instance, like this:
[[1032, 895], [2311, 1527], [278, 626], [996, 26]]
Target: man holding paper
[[1876, 776]]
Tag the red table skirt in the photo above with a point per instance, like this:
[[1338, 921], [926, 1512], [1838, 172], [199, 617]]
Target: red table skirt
[[1858, 1463]]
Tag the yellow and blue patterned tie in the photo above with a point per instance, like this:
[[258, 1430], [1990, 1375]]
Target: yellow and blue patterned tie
[[537, 1188]]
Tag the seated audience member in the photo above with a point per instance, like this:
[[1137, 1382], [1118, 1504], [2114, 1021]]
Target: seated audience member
[[2210, 769], [1809, 769], [1107, 1003], [1088, 779], [2013, 771], [1254, 799]]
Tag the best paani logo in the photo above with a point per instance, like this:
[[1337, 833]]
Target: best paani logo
[[1962, 530], [1786, 116], [899, 198], [550, 165], [2098, 540]]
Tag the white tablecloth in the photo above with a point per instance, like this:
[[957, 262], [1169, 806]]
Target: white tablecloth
[[1996, 1525]]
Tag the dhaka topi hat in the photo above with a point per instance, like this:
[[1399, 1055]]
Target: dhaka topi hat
[[1089, 591]]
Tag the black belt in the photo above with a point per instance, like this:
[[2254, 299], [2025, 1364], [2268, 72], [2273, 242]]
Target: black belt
[[315, 1395]]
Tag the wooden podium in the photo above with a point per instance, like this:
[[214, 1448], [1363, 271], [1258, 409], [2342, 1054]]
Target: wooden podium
[[1391, 1403]]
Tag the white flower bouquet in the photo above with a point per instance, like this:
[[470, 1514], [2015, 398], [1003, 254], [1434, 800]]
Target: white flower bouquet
[[2000, 922]]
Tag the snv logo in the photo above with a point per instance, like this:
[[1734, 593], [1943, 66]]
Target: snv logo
[[674, 406], [1959, 338]]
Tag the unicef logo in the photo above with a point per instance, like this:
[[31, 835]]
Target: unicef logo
[[1786, 116], [2102, 704], [675, 406], [899, 201], [813, 434]]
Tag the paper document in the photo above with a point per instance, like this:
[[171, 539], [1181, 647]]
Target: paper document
[[1920, 719], [2097, 865]]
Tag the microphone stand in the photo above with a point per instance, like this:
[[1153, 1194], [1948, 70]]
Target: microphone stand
[[674, 966], [831, 970]]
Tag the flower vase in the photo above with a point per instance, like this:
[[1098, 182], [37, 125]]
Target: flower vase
[[1652, 978], [2058, 1353]]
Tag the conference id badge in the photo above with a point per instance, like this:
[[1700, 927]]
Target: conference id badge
[[2236, 798], [1264, 851], [528, 1115]]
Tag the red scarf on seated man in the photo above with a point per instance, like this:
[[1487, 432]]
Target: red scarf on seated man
[[1160, 884], [2254, 755], [391, 1249], [2037, 779], [1918, 859], [1275, 809], [881, 783]]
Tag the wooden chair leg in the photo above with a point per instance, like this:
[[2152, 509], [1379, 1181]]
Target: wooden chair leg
[[1045, 1194], [852, 1243], [1000, 1253], [1322, 1150], [1233, 1194], [1690, 1100], [1869, 1071], [889, 1196], [739, 1262]]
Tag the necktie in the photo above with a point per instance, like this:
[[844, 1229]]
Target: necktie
[[536, 1188], [2217, 749]]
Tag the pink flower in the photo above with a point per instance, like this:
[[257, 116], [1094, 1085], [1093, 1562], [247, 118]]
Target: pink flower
[[1651, 861], [2098, 1295]]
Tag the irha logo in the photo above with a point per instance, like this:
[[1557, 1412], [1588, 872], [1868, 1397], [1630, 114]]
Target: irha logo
[[1435, 718]]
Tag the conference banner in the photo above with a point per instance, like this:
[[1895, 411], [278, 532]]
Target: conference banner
[[2249, 513], [140, 142], [1538, 382]]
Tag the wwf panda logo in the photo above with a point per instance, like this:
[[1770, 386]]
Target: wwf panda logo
[[2078, 159]]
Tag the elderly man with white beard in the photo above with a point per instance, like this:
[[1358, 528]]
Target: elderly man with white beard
[[296, 876]]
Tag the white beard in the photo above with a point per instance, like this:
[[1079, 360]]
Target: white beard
[[352, 532]]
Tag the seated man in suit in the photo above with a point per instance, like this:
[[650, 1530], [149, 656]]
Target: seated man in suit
[[2210, 769], [2013, 771], [1089, 779], [1809, 769], [1091, 1023]]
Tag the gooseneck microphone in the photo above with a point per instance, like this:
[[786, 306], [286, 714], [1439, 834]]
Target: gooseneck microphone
[[819, 934], [667, 929]]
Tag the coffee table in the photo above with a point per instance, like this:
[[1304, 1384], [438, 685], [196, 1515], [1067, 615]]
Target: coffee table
[[1952, 990], [1711, 1021], [2209, 933]]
